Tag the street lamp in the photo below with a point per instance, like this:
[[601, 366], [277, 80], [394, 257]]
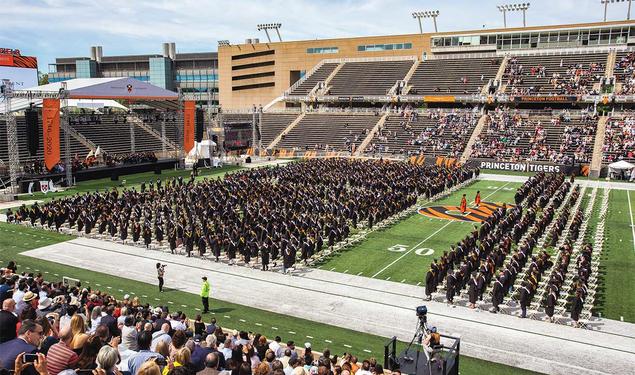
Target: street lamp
[[606, 4], [513, 8], [270, 26], [426, 14]]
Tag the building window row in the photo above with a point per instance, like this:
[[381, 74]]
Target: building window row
[[197, 77], [384, 47], [323, 50]]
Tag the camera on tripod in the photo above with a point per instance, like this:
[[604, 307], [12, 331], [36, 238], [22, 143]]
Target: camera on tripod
[[422, 314]]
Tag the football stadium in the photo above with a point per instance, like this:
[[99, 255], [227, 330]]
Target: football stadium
[[441, 202]]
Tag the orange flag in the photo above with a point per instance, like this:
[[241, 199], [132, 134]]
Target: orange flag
[[51, 132]]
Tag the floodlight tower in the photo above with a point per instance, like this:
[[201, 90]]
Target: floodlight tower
[[514, 8], [223, 43], [270, 26], [606, 4], [426, 14]]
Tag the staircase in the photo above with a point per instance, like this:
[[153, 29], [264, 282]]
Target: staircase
[[596, 160], [138, 122], [286, 131], [412, 71], [78, 136], [470, 143], [371, 135], [499, 75], [610, 64], [330, 77]]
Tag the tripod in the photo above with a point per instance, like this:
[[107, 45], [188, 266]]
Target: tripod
[[422, 327]]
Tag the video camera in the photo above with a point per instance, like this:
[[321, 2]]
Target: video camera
[[422, 314]]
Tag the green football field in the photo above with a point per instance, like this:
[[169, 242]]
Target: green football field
[[404, 251]]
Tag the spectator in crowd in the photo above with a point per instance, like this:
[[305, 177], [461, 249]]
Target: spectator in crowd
[[28, 340], [61, 356], [8, 321], [144, 340]]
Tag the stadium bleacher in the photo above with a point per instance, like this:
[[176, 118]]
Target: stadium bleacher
[[554, 74], [453, 76], [319, 75], [329, 131], [433, 134], [368, 78]]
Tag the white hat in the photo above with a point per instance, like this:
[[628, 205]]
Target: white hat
[[307, 345], [45, 303], [126, 296]]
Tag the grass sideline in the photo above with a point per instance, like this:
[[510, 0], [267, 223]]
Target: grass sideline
[[16, 239], [618, 258]]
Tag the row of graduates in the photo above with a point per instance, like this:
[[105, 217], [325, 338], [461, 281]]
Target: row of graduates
[[478, 257], [280, 210], [538, 263]]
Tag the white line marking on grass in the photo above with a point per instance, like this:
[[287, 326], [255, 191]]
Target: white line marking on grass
[[329, 341], [388, 278], [197, 309], [345, 271], [121, 290], [332, 268], [227, 316], [348, 346], [243, 320], [183, 305], [259, 324], [144, 296], [309, 337], [630, 210], [171, 303], [156, 299], [109, 287], [274, 328], [403, 280], [292, 332], [359, 273], [430, 236], [419, 283]]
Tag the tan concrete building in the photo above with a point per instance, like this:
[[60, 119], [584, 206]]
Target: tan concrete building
[[257, 73]]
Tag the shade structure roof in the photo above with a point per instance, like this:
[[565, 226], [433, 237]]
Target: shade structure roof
[[117, 88]]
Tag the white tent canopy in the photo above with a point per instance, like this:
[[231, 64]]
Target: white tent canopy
[[201, 150], [622, 169], [621, 165]]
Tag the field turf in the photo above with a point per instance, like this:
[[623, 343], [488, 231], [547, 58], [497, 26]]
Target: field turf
[[404, 251]]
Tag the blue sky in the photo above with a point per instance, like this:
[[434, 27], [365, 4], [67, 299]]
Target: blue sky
[[63, 28]]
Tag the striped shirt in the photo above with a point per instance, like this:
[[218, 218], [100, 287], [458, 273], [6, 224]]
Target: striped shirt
[[59, 358]]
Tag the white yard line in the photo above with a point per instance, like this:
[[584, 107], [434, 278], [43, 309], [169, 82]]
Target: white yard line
[[630, 211], [429, 237]]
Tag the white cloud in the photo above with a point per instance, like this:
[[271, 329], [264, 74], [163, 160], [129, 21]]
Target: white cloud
[[54, 28]]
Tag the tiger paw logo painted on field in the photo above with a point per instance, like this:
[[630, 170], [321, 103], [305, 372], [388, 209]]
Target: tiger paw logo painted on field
[[472, 214]]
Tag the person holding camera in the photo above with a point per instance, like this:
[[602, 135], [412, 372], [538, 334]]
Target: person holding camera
[[160, 274]]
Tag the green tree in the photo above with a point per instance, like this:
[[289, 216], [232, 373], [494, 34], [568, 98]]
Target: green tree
[[43, 78]]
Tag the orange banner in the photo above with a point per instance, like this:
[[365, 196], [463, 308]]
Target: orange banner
[[189, 113], [51, 132]]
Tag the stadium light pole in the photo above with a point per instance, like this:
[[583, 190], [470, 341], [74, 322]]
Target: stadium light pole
[[514, 8], [270, 26], [426, 14], [222, 43], [606, 5]]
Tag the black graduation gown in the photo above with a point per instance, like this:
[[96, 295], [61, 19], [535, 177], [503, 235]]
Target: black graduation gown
[[473, 290], [450, 284], [576, 308], [430, 283], [551, 304]]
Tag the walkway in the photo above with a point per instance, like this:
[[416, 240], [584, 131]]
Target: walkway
[[374, 306]]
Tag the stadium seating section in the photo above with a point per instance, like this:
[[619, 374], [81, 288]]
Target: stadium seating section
[[453, 76], [554, 74], [368, 78], [332, 131], [319, 75]]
